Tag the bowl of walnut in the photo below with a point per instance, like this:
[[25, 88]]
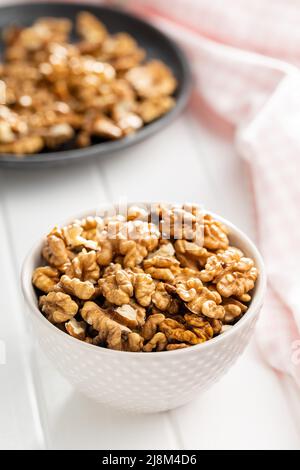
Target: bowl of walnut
[[83, 80], [142, 308]]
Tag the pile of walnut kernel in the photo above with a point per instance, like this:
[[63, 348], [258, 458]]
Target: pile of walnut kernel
[[62, 93], [129, 283]]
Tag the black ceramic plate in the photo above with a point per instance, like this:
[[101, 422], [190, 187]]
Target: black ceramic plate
[[151, 39]]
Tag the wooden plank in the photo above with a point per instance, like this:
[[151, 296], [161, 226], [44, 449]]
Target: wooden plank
[[20, 424]]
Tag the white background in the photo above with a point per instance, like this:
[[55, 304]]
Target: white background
[[251, 407]]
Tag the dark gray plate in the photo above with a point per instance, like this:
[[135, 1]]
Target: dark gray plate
[[151, 39]]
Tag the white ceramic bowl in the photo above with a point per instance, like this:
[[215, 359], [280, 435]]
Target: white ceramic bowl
[[144, 382]]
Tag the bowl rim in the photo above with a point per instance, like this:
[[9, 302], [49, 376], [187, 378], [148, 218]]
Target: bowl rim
[[253, 310], [98, 150]]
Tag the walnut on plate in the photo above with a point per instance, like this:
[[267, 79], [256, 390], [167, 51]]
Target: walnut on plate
[[152, 80], [153, 108], [62, 92], [90, 29], [122, 51]]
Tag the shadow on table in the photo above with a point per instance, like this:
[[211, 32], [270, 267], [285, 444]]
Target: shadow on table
[[84, 424]]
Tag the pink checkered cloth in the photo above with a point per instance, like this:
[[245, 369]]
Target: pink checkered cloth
[[245, 55]]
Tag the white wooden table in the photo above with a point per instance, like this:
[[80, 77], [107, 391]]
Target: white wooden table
[[249, 408]]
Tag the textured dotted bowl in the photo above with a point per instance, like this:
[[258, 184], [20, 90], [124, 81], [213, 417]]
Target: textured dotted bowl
[[144, 382]]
